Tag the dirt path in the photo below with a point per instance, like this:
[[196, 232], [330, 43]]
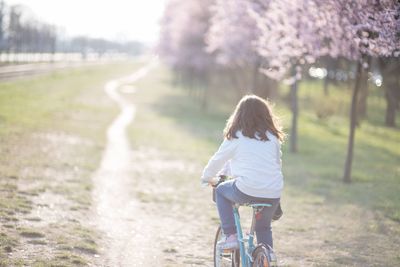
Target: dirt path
[[115, 208]]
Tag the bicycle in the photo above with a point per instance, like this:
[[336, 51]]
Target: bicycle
[[248, 254]]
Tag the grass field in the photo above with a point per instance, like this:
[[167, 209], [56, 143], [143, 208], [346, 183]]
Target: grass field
[[52, 133], [323, 145], [326, 222], [174, 117]]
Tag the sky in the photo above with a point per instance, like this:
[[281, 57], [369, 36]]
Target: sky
[[112, 19]]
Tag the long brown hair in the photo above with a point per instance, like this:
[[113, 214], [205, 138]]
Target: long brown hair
[[253, 116]]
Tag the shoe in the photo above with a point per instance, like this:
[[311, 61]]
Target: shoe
[[229, 243]]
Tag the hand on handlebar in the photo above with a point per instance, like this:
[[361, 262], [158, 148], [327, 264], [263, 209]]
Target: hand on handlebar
[[213, 182]]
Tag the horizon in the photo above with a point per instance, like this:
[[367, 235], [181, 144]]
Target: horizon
[[130, 21]]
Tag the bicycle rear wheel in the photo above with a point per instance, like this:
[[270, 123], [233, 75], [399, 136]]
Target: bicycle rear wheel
[[229, 258], [263, 257]]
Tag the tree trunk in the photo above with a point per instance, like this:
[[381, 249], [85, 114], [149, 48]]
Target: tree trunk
[[391, 85], [204, 86], [390, 117], [295, 112], [353, 122], [267, 87], [326, 85], [390, 69], [236, 83], [363, 94], [273, 88], [255, 79]]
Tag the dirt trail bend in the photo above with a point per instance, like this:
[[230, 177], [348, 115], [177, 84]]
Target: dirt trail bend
[[117, 215]]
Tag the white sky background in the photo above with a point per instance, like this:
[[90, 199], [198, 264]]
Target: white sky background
[[112, 19]]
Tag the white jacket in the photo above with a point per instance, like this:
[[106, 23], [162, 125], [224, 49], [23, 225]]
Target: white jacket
[[255, 164]]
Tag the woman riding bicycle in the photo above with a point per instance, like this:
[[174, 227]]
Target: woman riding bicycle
[[251, 145]]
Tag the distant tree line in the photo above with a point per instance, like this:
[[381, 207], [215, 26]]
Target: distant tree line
[[21, 32]]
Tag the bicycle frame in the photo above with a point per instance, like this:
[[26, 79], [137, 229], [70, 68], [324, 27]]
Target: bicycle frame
[[246, 254]]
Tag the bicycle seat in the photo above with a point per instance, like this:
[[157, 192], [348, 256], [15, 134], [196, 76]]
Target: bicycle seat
[[256, 205]]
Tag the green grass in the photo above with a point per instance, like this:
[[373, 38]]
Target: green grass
[[35, 103], [30, 233], [176, 123], [323, 146], [52, 134]]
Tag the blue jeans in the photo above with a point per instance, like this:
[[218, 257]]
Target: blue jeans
[[227, 194]]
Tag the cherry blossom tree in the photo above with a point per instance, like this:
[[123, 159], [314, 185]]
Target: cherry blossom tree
[[231, 38], [299, 31], [278, 37], [289, 38], [372, 29], [182, 43], [167, 48]]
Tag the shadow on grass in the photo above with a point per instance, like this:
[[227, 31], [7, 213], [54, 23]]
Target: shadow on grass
[[318, 169], [187, 115]]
